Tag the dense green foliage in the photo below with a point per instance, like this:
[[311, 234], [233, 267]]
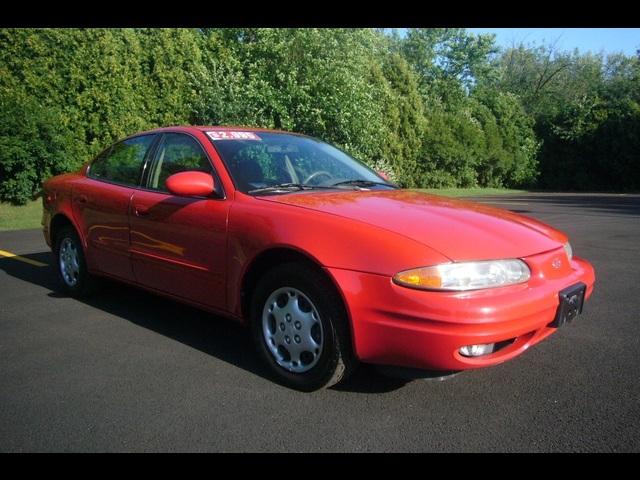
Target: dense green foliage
[[436, 108], [586, 110]]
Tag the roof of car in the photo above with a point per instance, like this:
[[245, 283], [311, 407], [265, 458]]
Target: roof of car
[[204, 128]]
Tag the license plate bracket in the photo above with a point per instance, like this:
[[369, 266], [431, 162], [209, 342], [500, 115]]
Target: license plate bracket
[[571, 303]]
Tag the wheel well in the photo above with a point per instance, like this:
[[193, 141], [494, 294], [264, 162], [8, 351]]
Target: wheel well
[[58, 222], [269, 259]]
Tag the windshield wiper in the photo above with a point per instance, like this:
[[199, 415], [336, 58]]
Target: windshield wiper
[[363, 183], [285, 186], [302, 186]]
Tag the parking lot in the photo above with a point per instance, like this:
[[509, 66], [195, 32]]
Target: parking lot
[[129, 371]]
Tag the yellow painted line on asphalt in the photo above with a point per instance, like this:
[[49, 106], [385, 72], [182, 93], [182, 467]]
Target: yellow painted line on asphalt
[[35, 263]]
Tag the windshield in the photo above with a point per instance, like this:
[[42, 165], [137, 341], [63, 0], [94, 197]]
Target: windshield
[[259, 160]]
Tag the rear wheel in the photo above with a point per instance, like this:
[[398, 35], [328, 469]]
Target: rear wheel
[[300, 327], [71, 265]]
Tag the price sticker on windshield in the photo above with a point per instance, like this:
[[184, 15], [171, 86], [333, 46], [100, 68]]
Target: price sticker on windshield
[[232, 135]]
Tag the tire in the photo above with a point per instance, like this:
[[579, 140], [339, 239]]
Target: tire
[[310, 299], [75, 279]]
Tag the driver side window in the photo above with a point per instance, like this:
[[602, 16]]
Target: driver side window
[[176, 153]]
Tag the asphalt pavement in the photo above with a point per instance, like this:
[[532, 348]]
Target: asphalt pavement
[[130, 371]]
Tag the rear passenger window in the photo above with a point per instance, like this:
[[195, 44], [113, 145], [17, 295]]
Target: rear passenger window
[[123, 162], [177, 153]]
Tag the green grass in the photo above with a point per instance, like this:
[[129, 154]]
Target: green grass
[[18, 218], [470, 192]]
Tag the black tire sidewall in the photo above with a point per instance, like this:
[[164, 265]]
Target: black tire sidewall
[[314, 286]]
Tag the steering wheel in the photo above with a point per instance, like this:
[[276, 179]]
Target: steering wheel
[[317, 174]]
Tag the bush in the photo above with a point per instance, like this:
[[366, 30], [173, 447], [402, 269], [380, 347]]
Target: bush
[[33, 146]]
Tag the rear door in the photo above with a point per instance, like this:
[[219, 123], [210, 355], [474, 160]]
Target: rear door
[[101, 204], [178, 244]]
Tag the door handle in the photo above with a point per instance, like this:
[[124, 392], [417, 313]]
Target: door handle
[[141, 210], [82, 199]]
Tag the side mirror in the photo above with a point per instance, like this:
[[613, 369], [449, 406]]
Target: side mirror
[[383, 175], [191, 184]]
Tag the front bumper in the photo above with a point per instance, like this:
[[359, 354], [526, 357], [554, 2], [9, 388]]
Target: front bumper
[[394, 325]]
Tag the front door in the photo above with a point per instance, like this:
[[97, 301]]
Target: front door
[[178, 244]]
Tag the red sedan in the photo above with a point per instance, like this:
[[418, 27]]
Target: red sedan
[[327, 262]]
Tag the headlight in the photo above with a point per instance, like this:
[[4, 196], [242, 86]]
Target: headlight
[[569, 250], [465, 276]]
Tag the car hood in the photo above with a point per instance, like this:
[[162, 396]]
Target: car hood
[[460, 230]]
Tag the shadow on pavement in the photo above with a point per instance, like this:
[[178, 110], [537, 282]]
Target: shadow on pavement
[[213, 335]]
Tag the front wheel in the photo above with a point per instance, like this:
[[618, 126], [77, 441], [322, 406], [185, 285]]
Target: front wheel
[[300, 327]]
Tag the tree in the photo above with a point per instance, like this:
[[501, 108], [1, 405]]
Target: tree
[[313, 81], [447, 60], [436, 107], [94, 86], [585, 112]]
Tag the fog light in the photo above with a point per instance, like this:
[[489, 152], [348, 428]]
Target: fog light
[[477, 350]]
